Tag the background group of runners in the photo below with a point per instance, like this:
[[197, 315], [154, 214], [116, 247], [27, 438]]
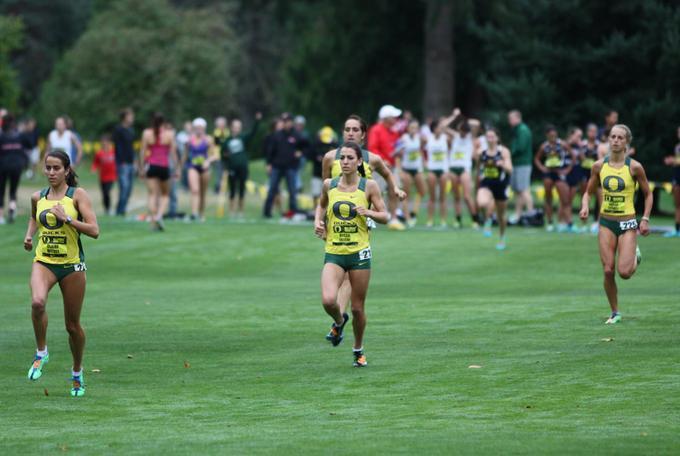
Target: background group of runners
[[453, 150]]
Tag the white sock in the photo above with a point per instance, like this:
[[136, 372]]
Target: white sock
[[42, 353], [358, 350], [77, 374]]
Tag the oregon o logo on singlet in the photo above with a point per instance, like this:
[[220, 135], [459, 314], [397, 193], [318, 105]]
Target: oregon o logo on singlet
[[48, 225], [620, 184], [351, 210]]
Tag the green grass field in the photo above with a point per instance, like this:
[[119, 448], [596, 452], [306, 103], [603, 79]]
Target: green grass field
[[210, 339]]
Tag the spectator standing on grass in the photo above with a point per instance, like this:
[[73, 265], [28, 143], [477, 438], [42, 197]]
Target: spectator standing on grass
[[326, 139], [13, 147], [521, 156], [75, 152], [235, 154], [300, 124], [63, 138], [220, 134], [382, 140], [283, 159], [32, 135], [182, 138], [105, 162], [611, 118], [123, 144]]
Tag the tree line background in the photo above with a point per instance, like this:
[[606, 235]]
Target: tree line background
[[562, 62]]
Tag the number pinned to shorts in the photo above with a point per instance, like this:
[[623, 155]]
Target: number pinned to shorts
[[79, 267], [628, 225], [365, 254]]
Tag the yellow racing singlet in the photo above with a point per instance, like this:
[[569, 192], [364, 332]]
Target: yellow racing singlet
[[336, 170], [347, 232], [58, 242], [618, 189]]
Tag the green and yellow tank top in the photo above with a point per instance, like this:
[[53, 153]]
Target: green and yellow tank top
[[336, 170], [58, 242], [347, 232], [618, 189]]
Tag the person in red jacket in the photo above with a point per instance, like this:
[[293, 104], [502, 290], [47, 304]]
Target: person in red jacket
[[105, 162], [382, 141]]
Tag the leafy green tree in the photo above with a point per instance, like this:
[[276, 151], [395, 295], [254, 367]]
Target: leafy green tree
[[567, 62], [147, 55], [50, 28], [11, 34]]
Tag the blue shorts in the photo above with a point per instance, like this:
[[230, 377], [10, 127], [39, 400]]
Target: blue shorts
[[554, 176], [576, 176], [676, 175]]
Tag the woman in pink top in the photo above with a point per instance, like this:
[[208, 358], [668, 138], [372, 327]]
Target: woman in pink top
[[158, 144]]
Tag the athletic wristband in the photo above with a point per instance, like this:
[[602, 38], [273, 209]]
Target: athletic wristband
[[644, 219]]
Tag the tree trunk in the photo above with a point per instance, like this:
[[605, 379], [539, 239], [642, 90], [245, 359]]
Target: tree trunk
[[439, 58]]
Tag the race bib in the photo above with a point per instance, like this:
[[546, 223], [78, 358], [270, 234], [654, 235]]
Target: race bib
[[458, 155], [439, 156], [54, 244], [587, 163], [626, 225], [614, 204], [491, 172], [365, 254], [413, 156], [553, 162]]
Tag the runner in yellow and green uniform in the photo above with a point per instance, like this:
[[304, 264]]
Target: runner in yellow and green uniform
[[60, 213], [355, 130], [618, 174], [341, 219]]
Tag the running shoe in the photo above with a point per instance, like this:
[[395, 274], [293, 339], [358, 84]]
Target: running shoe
[[594, 228], [359, 359], [550, 228], [475, 226], [615, 318], [78, 388], [335, 335], [429, 224], [574, 229], [412, 222], [487, 228], [501, 244], [562, 228], [456, 224], [35, 372], [443, 225], [672, 233], [12, 215], [396, 225], [638, 255]]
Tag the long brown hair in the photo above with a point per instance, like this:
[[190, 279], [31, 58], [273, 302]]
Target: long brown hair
[[71, 177]]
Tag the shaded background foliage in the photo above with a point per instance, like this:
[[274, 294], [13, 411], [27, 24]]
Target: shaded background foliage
[[561, 62]]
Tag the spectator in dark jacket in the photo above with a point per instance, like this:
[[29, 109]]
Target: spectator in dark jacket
[[283, 158], [123, 143]]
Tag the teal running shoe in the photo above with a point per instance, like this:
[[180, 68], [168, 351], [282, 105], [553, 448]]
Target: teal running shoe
[[78, 388], [672, 233], [487, 228], [615, 318], [501, 244], [35, 372]]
